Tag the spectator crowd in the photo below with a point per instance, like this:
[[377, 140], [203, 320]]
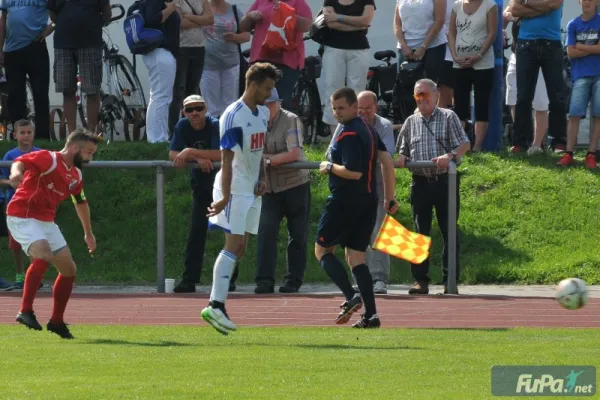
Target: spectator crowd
[[199, 70]]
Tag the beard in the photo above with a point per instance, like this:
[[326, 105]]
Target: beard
[[78, 161]]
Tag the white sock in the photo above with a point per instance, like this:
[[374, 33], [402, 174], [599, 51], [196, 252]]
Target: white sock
[[222, 272]]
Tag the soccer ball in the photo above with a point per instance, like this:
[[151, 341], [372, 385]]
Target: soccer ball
[[572, 293]]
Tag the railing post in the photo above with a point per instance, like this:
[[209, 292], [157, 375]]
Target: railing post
[[452, 230], [160, 229]]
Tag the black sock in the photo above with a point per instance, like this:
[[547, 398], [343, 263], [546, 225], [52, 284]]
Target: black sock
[[569, 153], [337, 273], [364, 280], [217, 304]]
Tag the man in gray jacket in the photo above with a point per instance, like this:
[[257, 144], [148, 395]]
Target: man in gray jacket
[[378, 262]]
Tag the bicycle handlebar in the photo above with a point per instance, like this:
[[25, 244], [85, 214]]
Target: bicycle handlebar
[[118, 17]]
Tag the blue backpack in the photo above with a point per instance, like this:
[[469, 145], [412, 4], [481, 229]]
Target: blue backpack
[[141, 40]]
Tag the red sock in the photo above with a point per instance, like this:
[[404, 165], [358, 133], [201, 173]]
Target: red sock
[[33, 279], [61, 293]]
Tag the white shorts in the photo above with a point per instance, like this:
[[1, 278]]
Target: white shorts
[[241, 215], [26, 231], [540, 98]]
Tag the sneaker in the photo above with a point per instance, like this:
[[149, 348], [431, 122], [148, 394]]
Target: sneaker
[[515, 149], [559, 148], [370, 323], [29, 320], [534, 149], [60, 329], [565, 160], [379, 287], [348, 308], [419, 288], [288, 287], [218, 319], [185, 287], [263, 288], [590, 161]]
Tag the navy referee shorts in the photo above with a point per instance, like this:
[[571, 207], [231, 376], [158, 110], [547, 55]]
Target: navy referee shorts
[[348, 221]]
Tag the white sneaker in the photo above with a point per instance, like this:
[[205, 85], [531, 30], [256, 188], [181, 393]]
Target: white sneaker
[[534, 149], [218, 320], [379, 287]]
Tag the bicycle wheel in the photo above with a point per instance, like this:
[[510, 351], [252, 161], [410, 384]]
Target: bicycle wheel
[[307, 105], [130, 90]]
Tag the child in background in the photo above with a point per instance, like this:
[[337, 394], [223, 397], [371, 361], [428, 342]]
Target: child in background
[[24, 134]]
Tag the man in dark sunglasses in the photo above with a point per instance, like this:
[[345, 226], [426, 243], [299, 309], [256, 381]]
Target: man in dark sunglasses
[[196, 139]]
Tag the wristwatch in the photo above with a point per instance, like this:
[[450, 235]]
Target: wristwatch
[[454, 154], [268, 162], [329, 167]]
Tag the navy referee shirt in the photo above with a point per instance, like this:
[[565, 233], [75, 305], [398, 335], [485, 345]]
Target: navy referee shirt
[[355, 147]]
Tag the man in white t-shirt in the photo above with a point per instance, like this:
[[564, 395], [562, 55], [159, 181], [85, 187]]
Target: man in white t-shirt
[[239, 184]]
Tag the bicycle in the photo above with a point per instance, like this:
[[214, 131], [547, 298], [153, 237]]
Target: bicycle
[[122, 95], [6, 126], [381, 80], [306, 100]]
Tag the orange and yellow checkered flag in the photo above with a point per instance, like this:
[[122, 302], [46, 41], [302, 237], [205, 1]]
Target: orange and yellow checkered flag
[[397, 241]]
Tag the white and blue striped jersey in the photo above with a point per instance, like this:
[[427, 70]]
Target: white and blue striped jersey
[[243, 132]]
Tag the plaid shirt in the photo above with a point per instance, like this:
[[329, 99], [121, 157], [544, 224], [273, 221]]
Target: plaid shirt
[[420, 144]]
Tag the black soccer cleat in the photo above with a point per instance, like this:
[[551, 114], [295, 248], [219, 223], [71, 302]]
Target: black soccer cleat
[[369, 323], [348, 308], [60, 329], [29, 320]]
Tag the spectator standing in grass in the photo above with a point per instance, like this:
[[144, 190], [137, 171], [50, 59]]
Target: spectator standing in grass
[[24, 133], [196, 139], [287, 194], [78, 49], [431, 134], [583, 48], [378, 262], [24, 54], [195, 14]]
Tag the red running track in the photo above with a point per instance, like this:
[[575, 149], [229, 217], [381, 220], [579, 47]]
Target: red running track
[[313, 310]]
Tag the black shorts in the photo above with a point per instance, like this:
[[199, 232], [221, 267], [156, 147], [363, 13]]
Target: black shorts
[[348, 222], [447, 77]]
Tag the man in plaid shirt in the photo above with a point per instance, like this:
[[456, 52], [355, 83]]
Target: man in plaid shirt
[[431, 134]]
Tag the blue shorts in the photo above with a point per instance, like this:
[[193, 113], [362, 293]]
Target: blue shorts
[[584, 90], [348, 222]]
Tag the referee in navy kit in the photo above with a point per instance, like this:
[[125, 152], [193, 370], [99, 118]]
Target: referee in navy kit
[[350, 213]]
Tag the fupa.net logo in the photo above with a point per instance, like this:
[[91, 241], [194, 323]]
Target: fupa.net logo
[[547, 383], [521, 380]]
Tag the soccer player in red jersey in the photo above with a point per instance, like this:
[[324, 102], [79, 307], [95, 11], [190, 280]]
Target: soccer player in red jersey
[[44, 179]]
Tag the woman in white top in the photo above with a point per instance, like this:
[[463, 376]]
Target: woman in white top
[[473, 27], [418, 26]]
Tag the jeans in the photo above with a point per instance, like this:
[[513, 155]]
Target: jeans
[[31, 61], [585, 91], [190, 63], [531, 56]]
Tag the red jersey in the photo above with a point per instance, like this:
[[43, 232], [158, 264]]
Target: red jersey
[[47, 182]]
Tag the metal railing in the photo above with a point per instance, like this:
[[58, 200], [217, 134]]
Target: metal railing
[[160, 167]]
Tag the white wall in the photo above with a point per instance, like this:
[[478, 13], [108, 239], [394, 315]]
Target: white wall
[[381, 35]]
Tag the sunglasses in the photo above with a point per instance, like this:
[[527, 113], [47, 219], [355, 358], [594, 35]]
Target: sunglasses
[[196, 108], [422, 96]]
